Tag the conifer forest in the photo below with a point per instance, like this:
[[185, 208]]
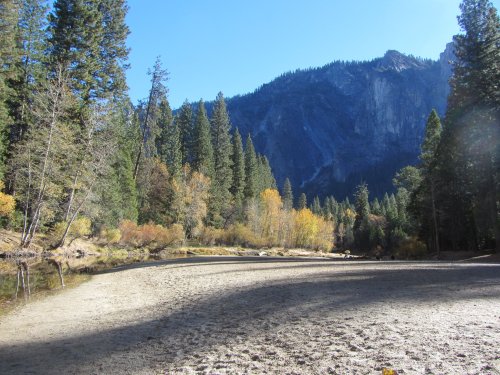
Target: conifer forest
[[79, 159]]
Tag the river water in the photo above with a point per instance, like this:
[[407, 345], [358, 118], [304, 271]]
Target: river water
[[28, 278]]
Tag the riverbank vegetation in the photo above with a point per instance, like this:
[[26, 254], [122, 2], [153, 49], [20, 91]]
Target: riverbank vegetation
[[77, 158]]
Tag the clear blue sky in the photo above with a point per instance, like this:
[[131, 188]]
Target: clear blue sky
[[234, 46]]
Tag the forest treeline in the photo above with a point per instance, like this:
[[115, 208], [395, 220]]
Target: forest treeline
[[78, 158]]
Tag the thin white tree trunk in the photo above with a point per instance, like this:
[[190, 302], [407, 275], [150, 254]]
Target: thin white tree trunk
[[28, 236]]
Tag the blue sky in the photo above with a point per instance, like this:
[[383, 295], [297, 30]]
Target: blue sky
[[234, 46]]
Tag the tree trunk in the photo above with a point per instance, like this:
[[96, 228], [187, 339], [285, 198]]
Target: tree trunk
[[18, 281], [27, 269], [28, 193], [56, 263], [75, 214], [434, 219], [22, 279], [59, 271], [71, 197]]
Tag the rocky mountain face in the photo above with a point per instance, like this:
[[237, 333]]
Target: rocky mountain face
[[330, 128]]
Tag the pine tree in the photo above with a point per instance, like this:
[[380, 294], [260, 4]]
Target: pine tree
[[476, 71], [117, 190], [424, 197], [148, 117], [32, 43], [431, 140], [8, 60], [361, 224], [164, 123], [203, 153], [266, 178], [316, 206], [221, 142], [467, 160], [184, 122], [251, 171], [287, 195], [95, 71], [113, 50], [361, 203], [335, 209], [302, 201], [87, 39], [75, 33], [327, 208], [169, 141], [375, 207], [238, 184]]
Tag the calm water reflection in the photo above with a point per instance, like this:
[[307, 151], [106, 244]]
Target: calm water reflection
[[21, 279]]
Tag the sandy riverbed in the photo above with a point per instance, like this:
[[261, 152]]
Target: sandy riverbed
[[253, 315]]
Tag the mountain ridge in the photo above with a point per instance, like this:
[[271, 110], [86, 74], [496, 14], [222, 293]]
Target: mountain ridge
[[331, 127]]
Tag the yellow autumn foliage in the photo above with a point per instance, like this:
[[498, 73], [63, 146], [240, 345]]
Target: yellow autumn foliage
[[275, 226], [81, 227], [271, 215], [7, 202], [312, 231]]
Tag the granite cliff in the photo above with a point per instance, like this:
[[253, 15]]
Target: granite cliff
[[330, 128]]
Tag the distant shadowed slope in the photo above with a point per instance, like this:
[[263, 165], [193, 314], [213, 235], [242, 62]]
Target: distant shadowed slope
[[329, 128]]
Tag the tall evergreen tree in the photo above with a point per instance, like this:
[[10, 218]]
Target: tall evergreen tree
[[361, 224], [302, 201], [148, 117], [117, 190], [184, 122], [361, 203], [32, 43], [287, 195], [87, 39], [476, 71], [8, 59], [203, 153], [165, 122], [221, 141], [316, 206], [266, 178], [238, 184], [75, 34], [468, 159], [424, 197], [95, 70], [113, 52], [169, 141], [251, 171], [375, 207]]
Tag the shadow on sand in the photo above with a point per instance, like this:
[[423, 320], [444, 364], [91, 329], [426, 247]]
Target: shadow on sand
[[352, 286]]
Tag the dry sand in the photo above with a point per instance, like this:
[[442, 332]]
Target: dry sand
[[224, 315]]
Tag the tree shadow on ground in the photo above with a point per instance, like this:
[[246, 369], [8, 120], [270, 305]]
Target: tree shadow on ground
[[195, 261], [218, 318]]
